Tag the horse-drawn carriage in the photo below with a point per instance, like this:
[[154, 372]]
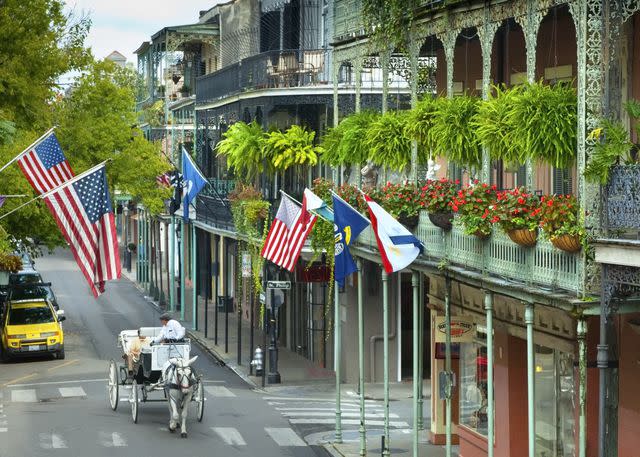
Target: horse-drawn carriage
[[161, 367]]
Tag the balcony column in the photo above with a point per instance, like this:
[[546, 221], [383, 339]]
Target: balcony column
[[581, 331], [357, 68], [486, 34], [448, 390], [530, 24], [488, 306], [172, 264], [414, 53], [336, 105], [417, 376], [337, 352], [448, 40], [421, 356], [385, 57], [182, 266], [531, 396], [385, 331], [362, 430], [194, 277]]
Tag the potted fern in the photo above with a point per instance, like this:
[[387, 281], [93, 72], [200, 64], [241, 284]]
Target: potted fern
[[452, 133], [243, 146], [344, 144], [387, 141], [420, 121], [291, 147]]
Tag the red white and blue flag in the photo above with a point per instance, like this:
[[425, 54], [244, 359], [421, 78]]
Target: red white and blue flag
[[398, 246], [288, 232], [45, 166], [82, 209]]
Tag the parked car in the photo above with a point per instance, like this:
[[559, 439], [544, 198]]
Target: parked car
[[26, 276], [31, 291], [32, 327]]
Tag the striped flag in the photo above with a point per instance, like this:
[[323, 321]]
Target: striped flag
[[44, 165], [82, 209], [287, 234], [164, 180]]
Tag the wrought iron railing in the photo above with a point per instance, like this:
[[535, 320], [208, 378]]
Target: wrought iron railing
[[213, 207], [498, 256], [273, 69], [622, 201]]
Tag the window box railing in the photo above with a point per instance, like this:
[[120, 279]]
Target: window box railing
[[273, 69], [498, 256]]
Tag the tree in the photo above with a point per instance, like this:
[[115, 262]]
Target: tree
[[97, 122]]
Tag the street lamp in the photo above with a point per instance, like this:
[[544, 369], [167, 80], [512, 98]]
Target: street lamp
[[276, 299]]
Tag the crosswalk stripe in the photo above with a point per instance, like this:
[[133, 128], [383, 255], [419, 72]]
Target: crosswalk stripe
[[112, 439], [284, 436], [2, 429], [230, 436], [72, 392], [318, 409], [318, 421], [219, 391], [52, 441], [315, 399], [24, 396], [331, 414]]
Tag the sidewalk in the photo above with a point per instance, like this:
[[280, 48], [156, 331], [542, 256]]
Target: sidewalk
[[298, 374]]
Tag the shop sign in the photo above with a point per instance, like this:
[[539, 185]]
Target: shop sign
[[246, 265], [462, 329]]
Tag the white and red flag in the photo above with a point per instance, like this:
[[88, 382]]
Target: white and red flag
[[397, 245], [82, 209], [44, 165], [288, 232]]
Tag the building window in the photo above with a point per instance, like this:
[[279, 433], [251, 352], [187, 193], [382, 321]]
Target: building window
[[473, 384], [555, 408]]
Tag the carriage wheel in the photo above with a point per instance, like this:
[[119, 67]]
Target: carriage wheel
[[133, 399], [112, 386], [200, 400]]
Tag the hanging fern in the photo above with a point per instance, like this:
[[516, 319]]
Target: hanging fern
[[494, 125], [344, 144], [243, 145], [387, 141], [419, 122], [613, 147], [544, 120], [292, 147], [452, 133]]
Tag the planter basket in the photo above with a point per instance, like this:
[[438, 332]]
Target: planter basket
[[523, 237], [567, 243], [442, 220], [410, 222]]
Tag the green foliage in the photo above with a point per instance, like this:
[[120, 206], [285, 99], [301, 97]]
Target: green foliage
[[153, 114], [388, 22], [544, 120], [420, 120], [39, 44], [494, 125], [633, 109], [248, 210], [292, 147], [518, 209], [402, 200], [95, 124], [7, 130], [560, 216], [387, 141], [452, 133], [614, 145], [244, 146], [440, 195], [476, 207], [344, 144], [10, 263]]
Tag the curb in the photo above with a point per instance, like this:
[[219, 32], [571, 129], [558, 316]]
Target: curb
[[332, 450]]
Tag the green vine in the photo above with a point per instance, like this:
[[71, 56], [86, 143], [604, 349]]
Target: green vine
[[388, 22]]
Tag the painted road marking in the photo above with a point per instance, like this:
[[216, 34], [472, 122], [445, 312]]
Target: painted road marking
[[230, 436], [312, 399], [57, 382], [2, 429], [21, 378], [112, 439], [24, 396], [219, 391], [52, 441], [65, 364], [284, 436], [72, 392], [348, 422], [330, 414], [375, 410]]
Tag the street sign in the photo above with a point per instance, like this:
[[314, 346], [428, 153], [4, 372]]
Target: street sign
[[286, 285]]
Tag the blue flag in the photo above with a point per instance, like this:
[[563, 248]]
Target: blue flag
[[347, 225], [193, 182]]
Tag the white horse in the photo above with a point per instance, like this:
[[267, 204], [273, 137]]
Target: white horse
[[179, 382]]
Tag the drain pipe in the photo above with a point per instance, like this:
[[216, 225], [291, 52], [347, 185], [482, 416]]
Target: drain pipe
[[375, 338]]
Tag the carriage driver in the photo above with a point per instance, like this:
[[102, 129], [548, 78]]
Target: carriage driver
[[172, 331]]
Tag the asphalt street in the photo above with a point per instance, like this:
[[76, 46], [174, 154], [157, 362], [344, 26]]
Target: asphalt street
[[60, 407]]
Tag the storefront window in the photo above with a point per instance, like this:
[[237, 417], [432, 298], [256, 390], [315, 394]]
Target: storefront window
[[554, 390], [473, 384]]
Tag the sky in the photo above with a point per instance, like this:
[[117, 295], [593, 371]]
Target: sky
[[122, 25]]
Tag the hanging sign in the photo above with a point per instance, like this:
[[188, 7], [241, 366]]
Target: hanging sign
[[246, 265], [462, 329]]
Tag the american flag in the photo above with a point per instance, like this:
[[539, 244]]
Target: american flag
[[164, 180], [287, 234], [45, 165], [83, 212]]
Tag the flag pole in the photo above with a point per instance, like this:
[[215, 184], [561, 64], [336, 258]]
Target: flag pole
[[13, 196], [35, 143], [55, 189], [310, 210]]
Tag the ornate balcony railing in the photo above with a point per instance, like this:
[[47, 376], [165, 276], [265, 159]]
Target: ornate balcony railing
[[622, 201], [213, 207], [273, 69], [498, 256]]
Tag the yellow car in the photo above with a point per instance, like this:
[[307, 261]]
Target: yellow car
[[32, 327]]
